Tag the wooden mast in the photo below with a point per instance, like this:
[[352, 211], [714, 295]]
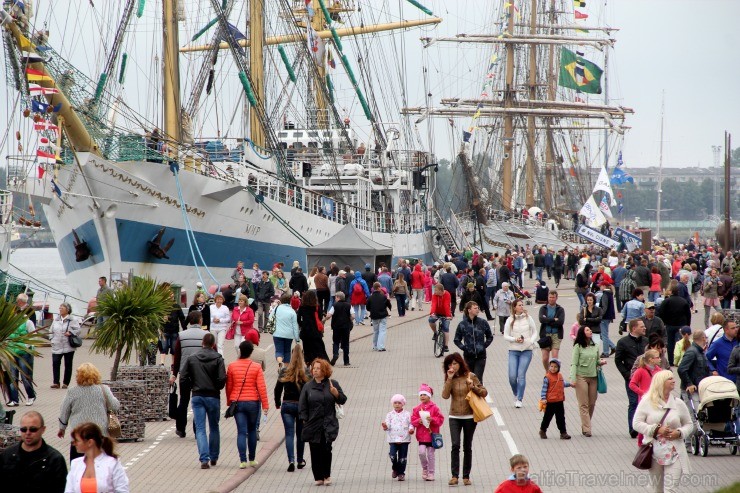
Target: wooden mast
[[256, 66], [506, 181], [322, 114], [549, 145], [171, 71], [529, 169]]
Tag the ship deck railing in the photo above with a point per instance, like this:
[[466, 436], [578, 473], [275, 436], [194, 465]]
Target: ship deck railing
[[327, 207]]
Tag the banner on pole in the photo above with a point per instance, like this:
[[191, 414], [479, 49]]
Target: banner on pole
[[596, 237], [630, 240]]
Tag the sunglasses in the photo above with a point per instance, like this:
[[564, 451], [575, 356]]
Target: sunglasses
[[32, 429]]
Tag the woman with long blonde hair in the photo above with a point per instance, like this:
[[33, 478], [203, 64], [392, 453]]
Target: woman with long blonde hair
[[287, 393]]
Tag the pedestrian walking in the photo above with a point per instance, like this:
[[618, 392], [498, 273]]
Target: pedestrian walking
[[473, 336], [290, 382], [220, 321], [341, 317], [400, 291], [675, 312], [583, 370], [286, 330], [459, 380], [22, 370], [245, 385], [417, 287], [607, 305], [171, 326], [205, 373], [63, 326], [551, 317], [552, 399], [359, 293], [398, 430], [502, 301], [263, 294], [312, 330], [521, 333], [317, 410], [378, 305], [629, 348], [427, 419], [199, 304], [242, 321], [189, 342], [98, 468]]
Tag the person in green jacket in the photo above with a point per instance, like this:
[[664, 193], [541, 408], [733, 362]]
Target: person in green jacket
[[682, 345], [23, 369], [583, 368]]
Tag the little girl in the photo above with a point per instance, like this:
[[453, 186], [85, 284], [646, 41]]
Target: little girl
[[427, 419], [398, 431]]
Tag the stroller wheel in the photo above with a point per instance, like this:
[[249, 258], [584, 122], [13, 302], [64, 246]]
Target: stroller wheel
[[694, 445], [704, 445]]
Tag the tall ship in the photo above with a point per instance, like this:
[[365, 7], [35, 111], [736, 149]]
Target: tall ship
[[175, 138], [535, 119]]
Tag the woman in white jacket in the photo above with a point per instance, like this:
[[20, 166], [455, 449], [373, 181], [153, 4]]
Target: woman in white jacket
[[99, 470], [670, 459], [220, 321], [521, 332]]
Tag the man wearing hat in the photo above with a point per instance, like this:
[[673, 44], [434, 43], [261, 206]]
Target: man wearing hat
[[653, 323]]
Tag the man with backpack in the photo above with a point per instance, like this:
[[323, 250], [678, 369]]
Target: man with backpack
[[359, 293]]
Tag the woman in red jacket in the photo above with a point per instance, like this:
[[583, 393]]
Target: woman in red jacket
[[245, 385], [242, 321], [648, 366], [440, 310]]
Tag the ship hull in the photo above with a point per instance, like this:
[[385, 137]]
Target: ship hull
[[118, 209]]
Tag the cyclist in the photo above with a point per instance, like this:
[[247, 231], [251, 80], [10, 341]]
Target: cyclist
[[440, 311]]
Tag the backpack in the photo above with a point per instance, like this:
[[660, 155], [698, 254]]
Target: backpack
[[357, 289], [627, 286]]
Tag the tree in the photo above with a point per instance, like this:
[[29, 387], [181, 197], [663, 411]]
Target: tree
[[135, 314], [12, 343], [735, 157]]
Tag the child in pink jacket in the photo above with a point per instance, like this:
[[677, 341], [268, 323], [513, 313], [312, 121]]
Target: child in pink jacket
[[428, 283], [427, 419]]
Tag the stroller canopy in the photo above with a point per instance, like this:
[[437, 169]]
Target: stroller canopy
[[716, 388]]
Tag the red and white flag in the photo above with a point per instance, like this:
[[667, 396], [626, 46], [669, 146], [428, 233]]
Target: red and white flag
[[37, 90], [44, 125], [41, 171], [46, 157]]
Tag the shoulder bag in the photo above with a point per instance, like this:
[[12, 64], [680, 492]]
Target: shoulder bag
[[232, 407], [114, 425], [600, 381], [437, 441], [75, 341], [481, 409], [644, 456]]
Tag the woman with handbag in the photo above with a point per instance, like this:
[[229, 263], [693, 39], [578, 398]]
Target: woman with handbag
[[312, 329], [64, 326], [584, 370], [665, 423], [458, 382], [242, 321], [89, 402], [290, 382], [245, 389], [317, 409], [98, 468], [522, 333], [199, 304]]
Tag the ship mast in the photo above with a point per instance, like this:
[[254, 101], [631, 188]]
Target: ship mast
[[529, 170], [171, 69], [549, 145], [256, 66], [506, 192]]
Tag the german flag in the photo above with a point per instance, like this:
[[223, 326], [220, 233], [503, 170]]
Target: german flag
[[34, 75], [579, 3]]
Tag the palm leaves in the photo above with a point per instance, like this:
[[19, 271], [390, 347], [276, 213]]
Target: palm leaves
[[12, 342], [135, 314]]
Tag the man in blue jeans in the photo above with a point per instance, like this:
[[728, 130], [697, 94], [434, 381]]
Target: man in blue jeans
[[206, 373]]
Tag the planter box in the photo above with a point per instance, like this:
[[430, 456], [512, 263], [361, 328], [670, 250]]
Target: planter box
[[131, 395], [157, 388]]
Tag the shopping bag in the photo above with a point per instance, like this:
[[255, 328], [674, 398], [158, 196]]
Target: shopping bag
[[172, 412], [481, 409], [600, 382]]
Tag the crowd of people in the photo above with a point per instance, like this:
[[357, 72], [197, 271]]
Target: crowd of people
[[294, 308]]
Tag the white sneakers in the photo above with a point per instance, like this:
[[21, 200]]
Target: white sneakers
[[30, 401], [518, 404]]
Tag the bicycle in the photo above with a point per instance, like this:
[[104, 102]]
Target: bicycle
[[439, 337]]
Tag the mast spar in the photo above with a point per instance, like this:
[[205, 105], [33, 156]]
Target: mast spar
[[171, 70], [529, 169], [256, 66], [508, 140]]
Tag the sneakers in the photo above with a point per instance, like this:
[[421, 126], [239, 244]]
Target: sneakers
[[543, 434], [446, 350], [430, 477], [434, 334], [291, 466], [424, 475], [381, 350], [402, 477], [12, 404], [253, 463], [242, 465], [453, 481], [518, 404], [301, 464], [564, 436], [30, 401], [204, 465]]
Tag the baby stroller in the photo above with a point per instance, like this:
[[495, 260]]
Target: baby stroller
[[716, 416], [519, 293]]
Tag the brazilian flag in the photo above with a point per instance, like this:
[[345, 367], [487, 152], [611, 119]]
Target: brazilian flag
[[578, 73]]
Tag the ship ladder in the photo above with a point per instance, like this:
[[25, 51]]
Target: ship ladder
[[445, 235]]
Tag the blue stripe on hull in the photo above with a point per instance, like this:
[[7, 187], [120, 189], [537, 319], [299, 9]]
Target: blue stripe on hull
[[87, 233], [217, 250]]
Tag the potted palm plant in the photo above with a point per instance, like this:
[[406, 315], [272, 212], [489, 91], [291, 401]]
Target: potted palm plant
[[133, 317]]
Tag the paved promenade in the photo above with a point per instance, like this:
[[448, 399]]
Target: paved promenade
[[165, 463]]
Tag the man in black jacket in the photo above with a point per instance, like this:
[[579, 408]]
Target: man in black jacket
[[675, 312], [473, 336], [377, 306], [206, 373], [369, 276], [175, 320], [629, 348], [32, 466], [643, 276], [298, 282], [342, 321], [552, 317], [263, 294], [342, 284], [693, 369]]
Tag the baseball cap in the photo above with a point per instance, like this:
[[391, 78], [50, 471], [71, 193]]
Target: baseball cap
[[649, 304]]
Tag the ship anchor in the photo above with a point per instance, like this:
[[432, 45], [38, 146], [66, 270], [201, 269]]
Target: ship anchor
[[155, 247], [82, 250]]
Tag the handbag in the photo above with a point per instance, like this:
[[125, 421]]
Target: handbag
[[271, 324], [481, 409], [600, 382], [114, 425], [230, 332], [231, 410], [339, 410], [545, 342], [319, 325], [172, 411], [644, 456], [75, 341], [437, 441]]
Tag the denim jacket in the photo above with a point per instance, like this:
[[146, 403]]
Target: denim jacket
[[634, 308]]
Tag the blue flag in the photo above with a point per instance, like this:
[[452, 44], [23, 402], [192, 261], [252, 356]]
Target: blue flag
[[620, 176], [56, 189], [466, 136]]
